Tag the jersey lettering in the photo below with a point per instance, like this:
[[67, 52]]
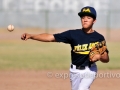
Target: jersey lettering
[[84, 48]]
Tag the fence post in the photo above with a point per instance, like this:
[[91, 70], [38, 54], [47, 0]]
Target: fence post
[[46, 21], [108, 25]]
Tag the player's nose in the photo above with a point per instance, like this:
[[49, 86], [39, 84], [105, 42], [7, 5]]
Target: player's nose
[[85, 20]]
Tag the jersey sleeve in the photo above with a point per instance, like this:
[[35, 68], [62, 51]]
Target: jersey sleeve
[[64, 37], [101, 39]]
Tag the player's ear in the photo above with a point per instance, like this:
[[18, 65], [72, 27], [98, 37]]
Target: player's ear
[[94, 20]]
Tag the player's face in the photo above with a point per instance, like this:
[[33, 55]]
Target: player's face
[[87, 22]]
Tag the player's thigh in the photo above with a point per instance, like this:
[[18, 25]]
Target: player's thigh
[[75, 80], [87, 81]]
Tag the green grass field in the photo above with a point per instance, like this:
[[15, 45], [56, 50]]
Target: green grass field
[[35, 55], [16, 54]]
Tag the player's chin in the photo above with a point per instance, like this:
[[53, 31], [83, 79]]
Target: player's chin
[[86, 27]]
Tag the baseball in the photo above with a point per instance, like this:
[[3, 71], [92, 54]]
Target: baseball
[[10, 28]]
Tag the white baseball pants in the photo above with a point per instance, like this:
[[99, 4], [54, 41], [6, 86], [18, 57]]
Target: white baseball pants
[[82, 79]]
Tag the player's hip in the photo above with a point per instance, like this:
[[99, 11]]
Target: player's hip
[[88, 72], [92, 68]]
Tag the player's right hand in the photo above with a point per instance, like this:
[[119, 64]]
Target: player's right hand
[[25, 36]]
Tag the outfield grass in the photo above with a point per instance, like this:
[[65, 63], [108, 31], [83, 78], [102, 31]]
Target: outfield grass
[[34, 55]]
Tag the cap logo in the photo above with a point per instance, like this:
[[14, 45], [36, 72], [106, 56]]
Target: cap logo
[[86, 10]]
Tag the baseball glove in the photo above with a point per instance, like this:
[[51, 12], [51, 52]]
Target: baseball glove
[[99, 48]]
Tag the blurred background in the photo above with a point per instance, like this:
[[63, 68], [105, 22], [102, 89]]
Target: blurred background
[[58, 14], [52, 16], [23, 63]]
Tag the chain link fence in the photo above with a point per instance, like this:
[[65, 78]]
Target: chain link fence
[[57, 13]]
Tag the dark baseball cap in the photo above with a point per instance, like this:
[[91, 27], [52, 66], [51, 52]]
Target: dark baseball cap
[[88, 10]]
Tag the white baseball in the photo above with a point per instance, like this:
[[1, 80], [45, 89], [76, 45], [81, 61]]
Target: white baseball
[[10, 28]]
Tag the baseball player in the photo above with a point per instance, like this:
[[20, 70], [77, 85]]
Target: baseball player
[[87, 47]]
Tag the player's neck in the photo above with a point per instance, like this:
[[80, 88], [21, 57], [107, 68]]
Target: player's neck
[[88, 30]]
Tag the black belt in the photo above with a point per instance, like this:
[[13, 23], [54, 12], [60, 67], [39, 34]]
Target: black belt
[[79, 67]]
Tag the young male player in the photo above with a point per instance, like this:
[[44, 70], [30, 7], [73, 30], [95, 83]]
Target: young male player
[[83, 69]]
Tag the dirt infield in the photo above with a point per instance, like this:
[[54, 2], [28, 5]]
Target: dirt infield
[[53, 80]]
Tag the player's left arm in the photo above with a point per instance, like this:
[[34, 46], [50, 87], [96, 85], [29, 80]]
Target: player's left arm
[[104, 57]]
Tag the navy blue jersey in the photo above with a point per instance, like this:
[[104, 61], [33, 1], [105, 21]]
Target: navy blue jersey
[[80, 43]]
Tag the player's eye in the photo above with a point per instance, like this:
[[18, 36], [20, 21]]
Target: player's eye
[[89, 17], [83, 17]]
